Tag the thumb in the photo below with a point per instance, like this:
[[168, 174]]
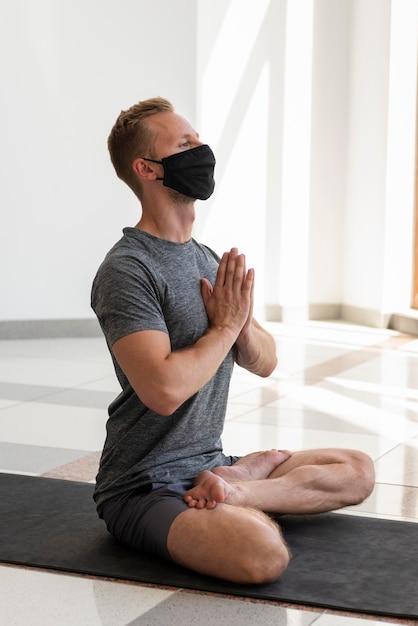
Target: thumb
[[206, 289]]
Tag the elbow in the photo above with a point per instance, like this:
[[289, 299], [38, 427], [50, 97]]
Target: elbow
[[159, 396], [274, 363], [163, 403], [163, 410], [162, 407], [265, 373], [268, 367]]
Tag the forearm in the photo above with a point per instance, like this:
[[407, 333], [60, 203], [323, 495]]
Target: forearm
[[256, 350], [186, 371], [163, 379]]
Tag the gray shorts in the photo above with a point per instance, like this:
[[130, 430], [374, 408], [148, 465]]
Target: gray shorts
[[142, 521]]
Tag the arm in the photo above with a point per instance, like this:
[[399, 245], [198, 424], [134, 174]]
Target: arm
[[255, 347], [164, 379], [256, 350]]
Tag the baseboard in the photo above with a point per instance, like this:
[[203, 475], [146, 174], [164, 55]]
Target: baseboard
[[365, 317], [402, 322], [294, 314], [406, 322], [347, 313], [51, 329]]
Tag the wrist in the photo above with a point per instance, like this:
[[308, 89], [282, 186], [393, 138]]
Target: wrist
[[245, 337], [225, 332]]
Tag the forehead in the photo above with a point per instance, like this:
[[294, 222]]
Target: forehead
[[170, 126]]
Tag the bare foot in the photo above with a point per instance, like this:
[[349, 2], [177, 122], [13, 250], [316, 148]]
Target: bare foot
[[254, 466], [218, 485], [209, 489]]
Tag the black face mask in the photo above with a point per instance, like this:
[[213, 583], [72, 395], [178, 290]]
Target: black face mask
[[190, 172]]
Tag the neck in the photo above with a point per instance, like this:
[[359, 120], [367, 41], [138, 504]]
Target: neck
[[172, 222]]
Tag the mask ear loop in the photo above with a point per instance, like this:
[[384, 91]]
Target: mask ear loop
[[153, 161]]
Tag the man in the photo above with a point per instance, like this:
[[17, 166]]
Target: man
[[175, 318]]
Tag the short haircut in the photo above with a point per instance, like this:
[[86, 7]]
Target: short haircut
[[131, 137]]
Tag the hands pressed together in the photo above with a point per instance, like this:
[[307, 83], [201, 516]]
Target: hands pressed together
[[229, 303]]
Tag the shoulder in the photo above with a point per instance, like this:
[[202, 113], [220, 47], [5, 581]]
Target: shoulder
[[125, 272], [206, 251], [127, 255]]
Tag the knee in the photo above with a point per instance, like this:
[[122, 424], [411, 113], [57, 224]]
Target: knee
[[364, 476], [267, 558], [269, 567]]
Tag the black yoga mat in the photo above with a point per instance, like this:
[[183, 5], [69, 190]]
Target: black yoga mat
[[341, 562]]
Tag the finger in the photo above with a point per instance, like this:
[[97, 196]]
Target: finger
[[231, 263], [235, 272], [252, 276], [248, 283], [221, 273], [248, 290], [230, 267]]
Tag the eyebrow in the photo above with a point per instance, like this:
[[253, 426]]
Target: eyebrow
[[189, 135]]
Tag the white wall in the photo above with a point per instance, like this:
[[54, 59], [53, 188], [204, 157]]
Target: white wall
[[401, 160], [309, 106], [67, 68], [379, 216], [240, 113], [367, 151], [328, 154]]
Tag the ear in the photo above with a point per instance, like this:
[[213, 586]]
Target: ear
[[145, 169]]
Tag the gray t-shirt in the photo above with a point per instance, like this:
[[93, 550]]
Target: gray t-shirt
[[146, 283]]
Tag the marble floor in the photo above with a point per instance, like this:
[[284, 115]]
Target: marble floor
[[336, 385]]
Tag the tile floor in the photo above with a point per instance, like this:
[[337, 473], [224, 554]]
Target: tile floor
[[336, 385]]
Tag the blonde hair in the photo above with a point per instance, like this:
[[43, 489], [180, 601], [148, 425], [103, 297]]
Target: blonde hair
[[131, 137]]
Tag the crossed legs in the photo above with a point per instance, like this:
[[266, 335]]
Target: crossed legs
[[311, 481], [225, 533]]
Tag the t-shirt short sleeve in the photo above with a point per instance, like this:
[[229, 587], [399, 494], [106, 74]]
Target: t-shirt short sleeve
[[126, 298]]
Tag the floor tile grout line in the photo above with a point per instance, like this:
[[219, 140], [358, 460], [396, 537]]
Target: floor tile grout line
[[83, 469], [364, 356], [311, 376], [353, 617], [53, 392]]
